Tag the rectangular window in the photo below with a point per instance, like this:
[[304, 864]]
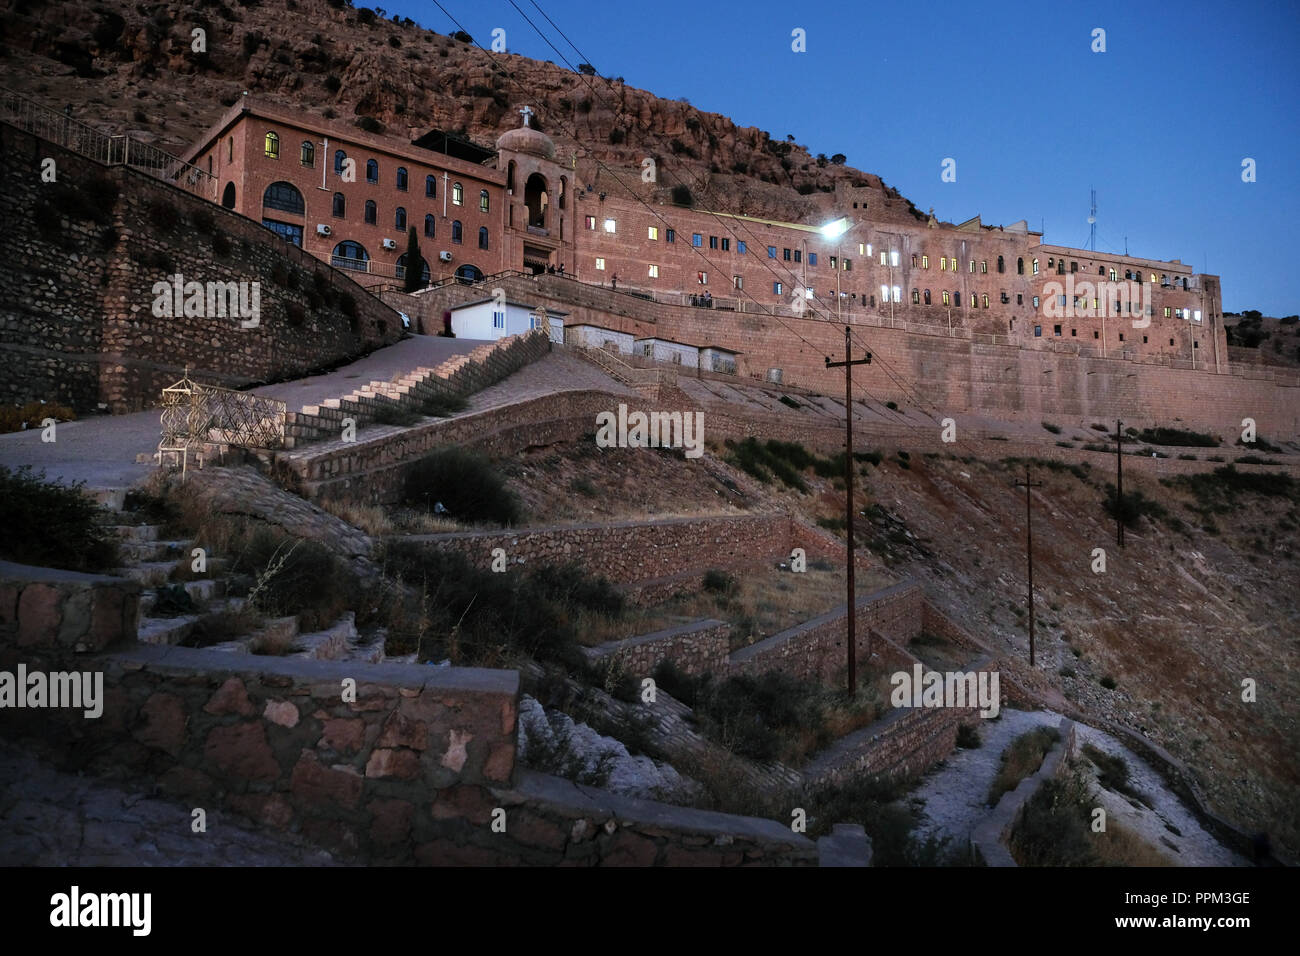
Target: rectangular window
[[1020, 298], [1196, 316], [1144, 340], [1074, 333], [726, 244], [591, 222], [652, 232], [776, 288], [884, 261], [741, 247], [943, 264], [1167, 311], [984, 265], [737, 282], [972, 265], [1074, 266], [898, 294], [670, 235], [1096, 335], [1056, 329], [1035, 302], [834, 262], [600, 264], [702, 277], [610, 225], [915, 260], [1121, 336], [654, 272], [986, 300], [893, 257], [798, 255], [884, 293], [771, 252], [925, 262], [785, 254], [498, 320], [1038, 331], [697, 239], [974, 302], [848, 265], [713, 242], [946, 300], [812, 258]]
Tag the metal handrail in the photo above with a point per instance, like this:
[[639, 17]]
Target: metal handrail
[[120, 149]]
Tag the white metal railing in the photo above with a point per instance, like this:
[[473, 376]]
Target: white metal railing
[[111, 150]]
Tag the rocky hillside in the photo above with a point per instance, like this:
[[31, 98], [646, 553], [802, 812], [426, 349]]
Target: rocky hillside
[[134, 67]]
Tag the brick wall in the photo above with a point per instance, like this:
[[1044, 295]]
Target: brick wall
[[76, 302]]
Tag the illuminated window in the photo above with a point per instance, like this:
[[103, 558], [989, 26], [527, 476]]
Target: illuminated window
[[893, 257], [973, 300], [611, 226], [972, 265], [600, 264], [916, 297], [652, 232], [1167, 311], [591, 222], [915, 260], [1035, 302], [884, 261], [457, 194], [737, 282], [654, 272], [986, 300], [898, 294], [943, 264], [884, 293], [307, 154], [776, 288], [272, 145], [483, 200], [1035, 267], [925, 262], [984, 265]]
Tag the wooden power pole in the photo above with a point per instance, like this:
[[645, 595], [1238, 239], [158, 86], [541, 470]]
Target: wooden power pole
[[1119, 482], [847, 365], [1029, 550]]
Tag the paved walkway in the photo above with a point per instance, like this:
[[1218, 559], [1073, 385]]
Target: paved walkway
[[50, 818], [101, 450]]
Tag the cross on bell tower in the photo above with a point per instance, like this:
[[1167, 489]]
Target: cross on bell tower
[[527, 113]]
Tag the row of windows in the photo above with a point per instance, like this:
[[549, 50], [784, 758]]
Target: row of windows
[[307, 157]]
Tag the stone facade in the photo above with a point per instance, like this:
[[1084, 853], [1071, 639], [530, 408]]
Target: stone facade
[[700, 647], [77, 323]]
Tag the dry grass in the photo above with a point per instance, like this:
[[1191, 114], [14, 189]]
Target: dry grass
[[379, 522], [1022, 758]]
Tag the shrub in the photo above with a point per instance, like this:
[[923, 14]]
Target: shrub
[[1054, 429], [1133, 506], [719, 582], [333, 84], [968, 737], [1099, 427], [787, 400], [465, 483], [1108, 682], [1176, 436], [15, 418], [682, 196], [370, 124], [51, 525], [892, 406], [292, 576], [1022, 758]]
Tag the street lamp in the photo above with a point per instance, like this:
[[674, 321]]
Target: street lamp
[[834, 231]]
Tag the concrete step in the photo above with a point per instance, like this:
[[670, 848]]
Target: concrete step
[[201, 592], [332, 644], [110, 499], [150, 574], [136, 532], [166, 630], [136, 552]]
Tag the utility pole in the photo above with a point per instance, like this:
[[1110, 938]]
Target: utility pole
[[1119, 482], [1029, 550], [847, 365]]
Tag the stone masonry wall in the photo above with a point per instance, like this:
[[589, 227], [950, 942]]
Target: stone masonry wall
[[45, 607], [76, 301], [700, 647]]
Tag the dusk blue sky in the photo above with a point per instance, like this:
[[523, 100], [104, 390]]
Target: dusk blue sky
[[1158, 124]]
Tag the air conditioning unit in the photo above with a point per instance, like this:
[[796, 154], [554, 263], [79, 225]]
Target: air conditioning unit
[[444, 256], [323, 229], [390, 243]]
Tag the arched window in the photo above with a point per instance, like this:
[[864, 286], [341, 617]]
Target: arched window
[[401, 178], [1001, 265], [272, 145], [209, 164], [482, 200], [401, 268], [429, 222], [350, 255], [510, 176], [307, 154], [916, 297], [482, 237], [1101, 270], [1020, 266], [946, 300], [1035, 267], [399, 218], [455, 231], [340, 205], [537, 200], [372, 171], [371, 211], [283, 196], [564, 189], [230, 150], [457, 194], [228, 196], [986, 300], [339, 158], [927, 296], [431, 186]]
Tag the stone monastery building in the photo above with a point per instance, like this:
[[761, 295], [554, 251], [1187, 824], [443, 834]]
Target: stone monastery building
[[349, 198]]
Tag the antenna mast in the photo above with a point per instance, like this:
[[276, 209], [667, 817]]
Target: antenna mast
[[1092, 224]]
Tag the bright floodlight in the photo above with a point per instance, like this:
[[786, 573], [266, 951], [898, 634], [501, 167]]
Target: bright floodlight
[[835, 229]]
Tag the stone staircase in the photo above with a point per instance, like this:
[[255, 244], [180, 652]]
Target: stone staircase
[[457, 377]]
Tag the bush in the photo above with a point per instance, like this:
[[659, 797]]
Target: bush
[[719, 582], [465, 483], [1054, 429], [968, 737], [1021, 759], [51, 525], [892, 406], [682, 195], [293, 576], [1176, 436], [787, 400], [17, 417], [1134, 506], [1108, 682]]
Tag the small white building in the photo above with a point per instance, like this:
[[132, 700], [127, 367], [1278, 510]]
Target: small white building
[[488, 320], [714, 358], [664, 350], [594, 337]]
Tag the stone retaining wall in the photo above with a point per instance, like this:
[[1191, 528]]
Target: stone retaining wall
[[76, 300], [699, 647], [45, 607]]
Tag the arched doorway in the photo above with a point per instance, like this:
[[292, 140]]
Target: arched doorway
[[468, 273], [537, 200], [228, 197]]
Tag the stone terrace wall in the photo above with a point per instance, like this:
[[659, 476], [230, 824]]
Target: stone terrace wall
[[629, 551], [45, 607], [700, 647], [76, 299], [814, 650]]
